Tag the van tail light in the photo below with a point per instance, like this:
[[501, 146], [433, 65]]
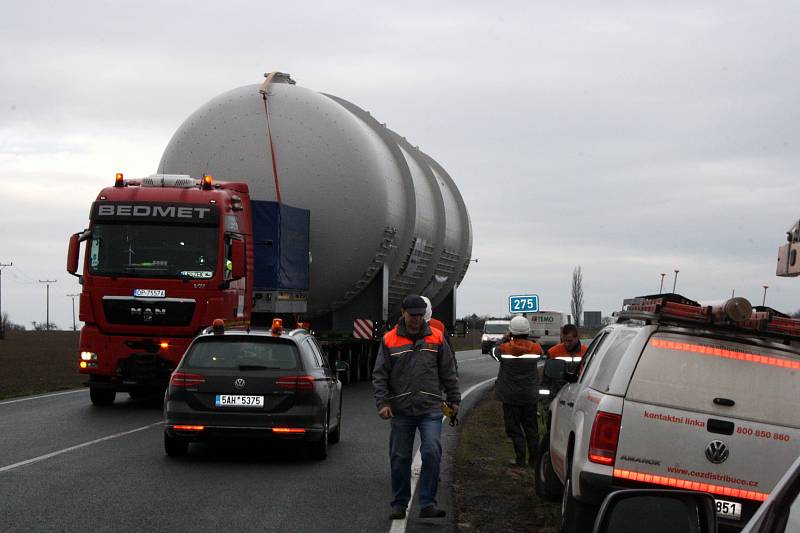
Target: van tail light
[[605, 436], [183, 379], [296, 382]]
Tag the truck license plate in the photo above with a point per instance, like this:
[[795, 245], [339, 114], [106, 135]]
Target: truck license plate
[[728, 509], [234, 400]]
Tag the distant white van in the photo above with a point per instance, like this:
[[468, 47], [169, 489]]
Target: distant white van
[[546, 327], [493, 331]]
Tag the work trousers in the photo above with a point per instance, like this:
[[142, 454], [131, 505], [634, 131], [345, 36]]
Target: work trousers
[[522, 428], [401, 448]]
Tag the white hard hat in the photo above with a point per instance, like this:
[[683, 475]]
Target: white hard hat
[[519, 325], [429, 310]]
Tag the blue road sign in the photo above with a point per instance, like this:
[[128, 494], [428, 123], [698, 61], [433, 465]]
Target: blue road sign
[[523, 303]]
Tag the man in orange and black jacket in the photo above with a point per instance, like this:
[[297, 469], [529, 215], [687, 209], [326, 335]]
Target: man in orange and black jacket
[[570, 346], [413, 369], [517, 387]]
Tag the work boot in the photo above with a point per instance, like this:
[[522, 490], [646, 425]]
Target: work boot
[[432, 512], [398, 513]]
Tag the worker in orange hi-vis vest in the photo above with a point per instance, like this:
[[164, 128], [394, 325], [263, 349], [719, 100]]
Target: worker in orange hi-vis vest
[[517, 387], [570, 346]]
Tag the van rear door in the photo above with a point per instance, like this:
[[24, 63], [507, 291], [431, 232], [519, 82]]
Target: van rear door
[[715, 415]]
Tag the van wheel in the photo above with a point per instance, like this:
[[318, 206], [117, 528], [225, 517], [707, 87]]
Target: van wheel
[[175, 447], [576, 516], [548, 485], [102, 397]]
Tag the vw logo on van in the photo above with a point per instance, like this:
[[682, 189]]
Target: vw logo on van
[[717, 451], [239, 384]]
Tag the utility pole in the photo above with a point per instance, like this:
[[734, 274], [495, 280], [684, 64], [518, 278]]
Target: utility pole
[[2, 322], [48, 282], [661, 287], [764, 299], [74, 326], [675, 281]]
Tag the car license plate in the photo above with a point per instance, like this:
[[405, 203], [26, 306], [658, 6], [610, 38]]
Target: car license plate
[[729, 509], [234, 400]]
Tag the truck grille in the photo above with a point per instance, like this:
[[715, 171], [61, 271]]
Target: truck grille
[[148, 311]]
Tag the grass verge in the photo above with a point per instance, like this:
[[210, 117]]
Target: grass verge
[[491, 495], [32, 362]]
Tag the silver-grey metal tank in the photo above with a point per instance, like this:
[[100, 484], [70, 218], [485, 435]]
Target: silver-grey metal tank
[[374, 198]]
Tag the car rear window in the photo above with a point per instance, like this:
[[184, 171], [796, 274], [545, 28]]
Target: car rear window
[[690, 372], [233, 352]]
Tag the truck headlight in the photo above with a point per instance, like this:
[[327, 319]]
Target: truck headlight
[[88, 356]]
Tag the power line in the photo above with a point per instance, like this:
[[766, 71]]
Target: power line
[[48, 282], [74, 325], [2, 322]]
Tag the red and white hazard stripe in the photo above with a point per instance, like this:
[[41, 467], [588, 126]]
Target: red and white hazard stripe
[[362, 328]]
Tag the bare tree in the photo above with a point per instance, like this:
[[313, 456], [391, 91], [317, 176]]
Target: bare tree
[[576, 300]]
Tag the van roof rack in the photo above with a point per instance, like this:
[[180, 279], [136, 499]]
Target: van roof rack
[[673, 308]]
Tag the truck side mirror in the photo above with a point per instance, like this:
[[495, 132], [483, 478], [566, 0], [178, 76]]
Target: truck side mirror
[[239, 267], [674, 510], [460, 328], [73, 253]]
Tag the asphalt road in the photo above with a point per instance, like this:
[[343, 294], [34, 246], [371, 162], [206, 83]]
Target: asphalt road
[[66, 465]]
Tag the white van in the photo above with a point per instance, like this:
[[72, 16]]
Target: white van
[[493, 331], [546, 327]]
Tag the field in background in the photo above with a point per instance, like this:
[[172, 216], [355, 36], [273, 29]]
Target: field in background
[[38, 361]]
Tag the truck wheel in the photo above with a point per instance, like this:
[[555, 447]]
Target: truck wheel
[[319, 449], [175, 447], [102, 396], [576, 516], [548, 485]]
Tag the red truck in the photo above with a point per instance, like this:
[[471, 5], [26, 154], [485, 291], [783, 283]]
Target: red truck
[[165, 256]]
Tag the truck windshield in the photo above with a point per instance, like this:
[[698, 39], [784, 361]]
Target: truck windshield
[[153, 251]]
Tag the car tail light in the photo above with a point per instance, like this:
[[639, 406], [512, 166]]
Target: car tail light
[[296, 382], [605, 436], [189, 428], [288, 430], [183, 379]]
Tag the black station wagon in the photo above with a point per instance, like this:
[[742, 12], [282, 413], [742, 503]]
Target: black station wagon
[[248, 383]]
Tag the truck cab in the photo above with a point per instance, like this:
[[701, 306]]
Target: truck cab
[[163, 257]]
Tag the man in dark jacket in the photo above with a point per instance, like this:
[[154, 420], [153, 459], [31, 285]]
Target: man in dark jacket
[[516, 387], [414, 367]]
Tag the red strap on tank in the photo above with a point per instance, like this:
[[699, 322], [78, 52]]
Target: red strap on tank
[[263, 91]]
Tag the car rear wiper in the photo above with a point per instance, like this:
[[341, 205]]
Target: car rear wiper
[[258, 367]]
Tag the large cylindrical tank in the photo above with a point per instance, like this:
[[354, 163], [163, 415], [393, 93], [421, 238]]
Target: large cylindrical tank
[[374, 198]]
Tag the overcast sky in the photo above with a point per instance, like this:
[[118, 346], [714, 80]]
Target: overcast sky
[[630, 138]]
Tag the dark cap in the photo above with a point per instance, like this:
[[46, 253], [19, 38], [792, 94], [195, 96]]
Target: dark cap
[[413, 304]]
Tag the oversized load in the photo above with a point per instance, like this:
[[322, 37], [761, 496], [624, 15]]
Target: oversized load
[[271, 201], [376, 202]]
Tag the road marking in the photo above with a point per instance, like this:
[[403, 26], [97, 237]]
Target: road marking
[[485, 358], [399, 526], [42, 396], [76, 447]]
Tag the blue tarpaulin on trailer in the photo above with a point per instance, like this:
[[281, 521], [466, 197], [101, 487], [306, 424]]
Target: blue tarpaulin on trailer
[[280, 244]]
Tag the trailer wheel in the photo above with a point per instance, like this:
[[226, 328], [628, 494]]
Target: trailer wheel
[[102, 397]]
